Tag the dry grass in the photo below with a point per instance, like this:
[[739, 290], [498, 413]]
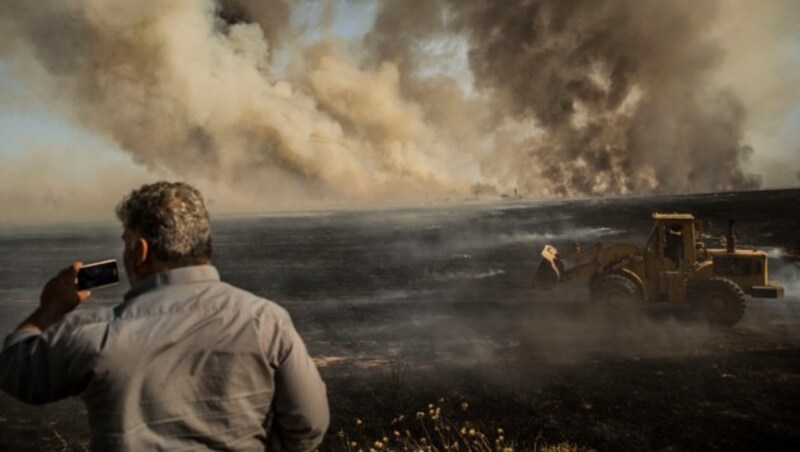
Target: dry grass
[[434, 428], [563, 447], [428, 429]]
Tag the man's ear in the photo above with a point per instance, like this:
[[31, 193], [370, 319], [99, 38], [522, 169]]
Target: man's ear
[[142, 250]]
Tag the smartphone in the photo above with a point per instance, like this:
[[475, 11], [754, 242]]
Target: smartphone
[[97, 275]]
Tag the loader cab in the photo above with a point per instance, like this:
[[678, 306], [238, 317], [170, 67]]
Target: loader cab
[[672, 241], [669, 255]]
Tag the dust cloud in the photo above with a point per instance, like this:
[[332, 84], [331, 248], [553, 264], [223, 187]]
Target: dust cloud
[[80, 184], [467, 304], [37, 188], [438, 99]]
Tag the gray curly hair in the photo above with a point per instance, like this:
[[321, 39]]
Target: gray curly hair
[[173, 219]]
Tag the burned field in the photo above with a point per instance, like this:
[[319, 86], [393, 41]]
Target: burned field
[[425, 318]]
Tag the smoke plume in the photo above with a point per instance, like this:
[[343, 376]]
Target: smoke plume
[[437, 98]]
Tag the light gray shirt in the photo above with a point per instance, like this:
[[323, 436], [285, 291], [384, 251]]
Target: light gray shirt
[[184, 362]]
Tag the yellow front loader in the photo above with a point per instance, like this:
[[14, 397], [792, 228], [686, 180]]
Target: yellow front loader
[[674, 267]]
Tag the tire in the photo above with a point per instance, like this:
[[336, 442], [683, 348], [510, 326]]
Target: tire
[[616, 296], [720, 301]]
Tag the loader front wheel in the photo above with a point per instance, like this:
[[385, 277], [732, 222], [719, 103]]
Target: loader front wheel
[[616, 296], [721, 301]]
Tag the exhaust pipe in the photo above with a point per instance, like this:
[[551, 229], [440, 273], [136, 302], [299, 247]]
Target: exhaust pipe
[[730, 239]]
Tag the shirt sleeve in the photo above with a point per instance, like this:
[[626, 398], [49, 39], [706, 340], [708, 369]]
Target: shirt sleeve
[[40, 367], [20, 335], [300, 407]]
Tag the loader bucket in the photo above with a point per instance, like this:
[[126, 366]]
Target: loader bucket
[[550, 270]]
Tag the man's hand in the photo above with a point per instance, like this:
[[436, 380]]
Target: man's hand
[[59, 297]]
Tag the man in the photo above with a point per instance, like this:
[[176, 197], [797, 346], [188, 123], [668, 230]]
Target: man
[[674, 245], [185, 361]]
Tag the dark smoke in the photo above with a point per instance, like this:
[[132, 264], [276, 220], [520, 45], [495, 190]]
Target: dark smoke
[[273, 16], [571, 66]]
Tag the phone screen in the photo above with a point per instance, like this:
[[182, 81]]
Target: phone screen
[[98, 274]]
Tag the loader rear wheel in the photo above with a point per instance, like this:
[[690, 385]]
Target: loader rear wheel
[[616, 296], [721, 301]]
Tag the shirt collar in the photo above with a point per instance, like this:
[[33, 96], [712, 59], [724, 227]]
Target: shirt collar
[[181, 275]]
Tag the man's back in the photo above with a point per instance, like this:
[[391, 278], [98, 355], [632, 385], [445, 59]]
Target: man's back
[[186, 361]]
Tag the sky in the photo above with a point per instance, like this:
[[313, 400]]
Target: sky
[[54, 166]]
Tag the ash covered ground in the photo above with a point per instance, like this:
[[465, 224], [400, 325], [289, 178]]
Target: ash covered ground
[[410, 307]]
